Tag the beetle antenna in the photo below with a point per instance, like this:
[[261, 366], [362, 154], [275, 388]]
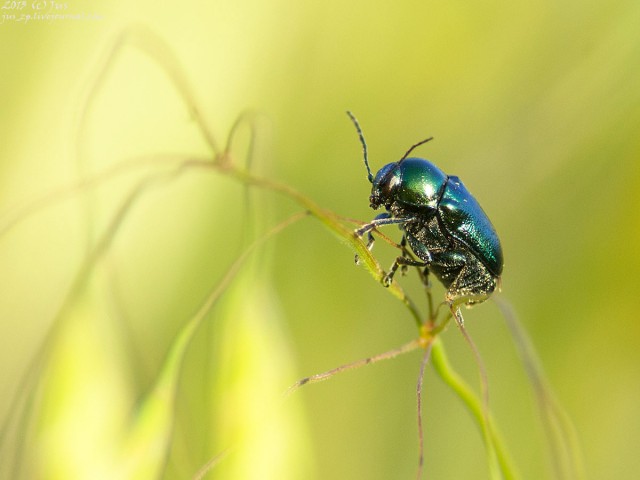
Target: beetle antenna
[[364, 145], [413, 147]]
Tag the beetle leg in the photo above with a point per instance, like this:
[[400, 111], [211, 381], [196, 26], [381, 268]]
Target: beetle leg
[[388, 278], [403, 245], [380, 220], [427, 278], [424, 254]]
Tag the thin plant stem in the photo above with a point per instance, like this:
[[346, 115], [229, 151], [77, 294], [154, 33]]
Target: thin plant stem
[[206, 468], [26, 392], [21, 213], [158, 407], [563, 444], [474, 405], [319, 377], [423, 365], [484, 389]]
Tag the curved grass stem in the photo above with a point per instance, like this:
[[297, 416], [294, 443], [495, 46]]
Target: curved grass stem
[[475, 406], [334, 223], [319, 377]]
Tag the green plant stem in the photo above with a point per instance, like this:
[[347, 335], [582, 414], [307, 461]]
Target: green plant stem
[[474, 405], [335, 225]]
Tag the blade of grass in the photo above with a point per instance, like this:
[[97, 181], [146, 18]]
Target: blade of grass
[[564, 447], [474, 405], [23, 401], [147, 441]]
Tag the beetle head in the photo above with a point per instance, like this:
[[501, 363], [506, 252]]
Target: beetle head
[[388, 182], [385, 185], [414, 183], [402, 181]]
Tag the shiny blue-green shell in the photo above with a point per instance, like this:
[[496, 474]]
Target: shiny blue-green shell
[[466, 221], [418, 184]]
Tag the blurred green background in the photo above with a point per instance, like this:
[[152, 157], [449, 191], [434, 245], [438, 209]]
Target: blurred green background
[[536, 106]]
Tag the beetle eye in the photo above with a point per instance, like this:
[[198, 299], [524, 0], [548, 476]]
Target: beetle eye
[[389, 185]]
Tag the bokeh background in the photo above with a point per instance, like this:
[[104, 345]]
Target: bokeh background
[[535, 105]]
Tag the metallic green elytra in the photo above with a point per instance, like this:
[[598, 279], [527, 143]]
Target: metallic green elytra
[[443, 223]]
